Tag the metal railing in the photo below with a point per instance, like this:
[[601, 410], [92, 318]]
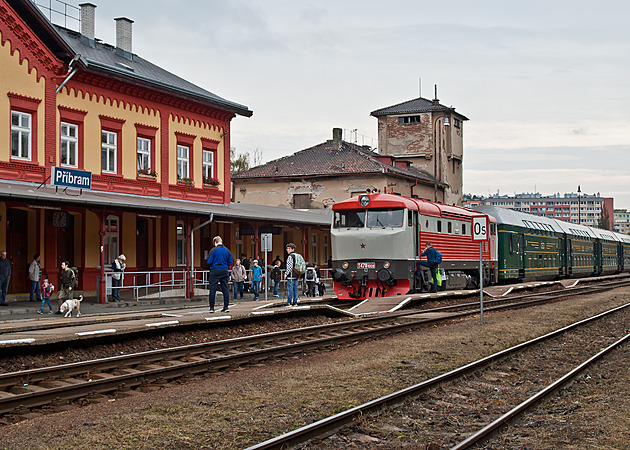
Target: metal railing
[[174, 283]]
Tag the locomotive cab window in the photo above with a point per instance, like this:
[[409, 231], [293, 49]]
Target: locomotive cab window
[[439, 226], [349, 219], [385, 218]]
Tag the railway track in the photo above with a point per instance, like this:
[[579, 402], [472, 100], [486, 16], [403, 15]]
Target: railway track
[[472, 401], [57, 385]]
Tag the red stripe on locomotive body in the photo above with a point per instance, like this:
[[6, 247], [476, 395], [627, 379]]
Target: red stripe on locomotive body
[[454, 247]]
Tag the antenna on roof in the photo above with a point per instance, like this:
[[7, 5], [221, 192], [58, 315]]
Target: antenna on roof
[[419, 87]]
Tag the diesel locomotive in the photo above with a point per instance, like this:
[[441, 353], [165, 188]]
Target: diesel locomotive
[[377, 240]]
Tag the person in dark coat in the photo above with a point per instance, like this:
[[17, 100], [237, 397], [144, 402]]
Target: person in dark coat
[[276, 276], [220, 260], [431, 263], [245, 262], [67, 284], [5, 277]]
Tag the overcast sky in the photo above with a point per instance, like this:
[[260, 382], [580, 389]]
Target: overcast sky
[[545, 84]]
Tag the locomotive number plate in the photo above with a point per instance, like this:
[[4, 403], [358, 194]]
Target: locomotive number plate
[[369, 265]]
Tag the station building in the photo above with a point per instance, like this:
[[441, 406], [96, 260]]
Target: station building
[[105, 153]]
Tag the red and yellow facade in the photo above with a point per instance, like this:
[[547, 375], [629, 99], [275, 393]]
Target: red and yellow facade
[[53, 99], [34, 63]]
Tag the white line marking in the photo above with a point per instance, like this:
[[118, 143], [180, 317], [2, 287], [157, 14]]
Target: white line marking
[[507, 292], [17, 341], [159, 324], [358, 304], [401, 304], [218, 317], [87, 333], [172, 315], [442, 294], [263, 306], [301, 307], [264, 312]]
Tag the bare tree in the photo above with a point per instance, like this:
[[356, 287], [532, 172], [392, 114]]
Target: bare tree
[[245, 160]]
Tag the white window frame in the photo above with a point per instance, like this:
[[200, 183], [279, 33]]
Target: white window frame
[[109, 149], [180, 245], [21, 131], [208, 163], [183, 165], [143, 146], [112, 238], [313, 249], [69, 144]]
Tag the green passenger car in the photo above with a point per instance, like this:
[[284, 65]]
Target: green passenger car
[[530, 247]]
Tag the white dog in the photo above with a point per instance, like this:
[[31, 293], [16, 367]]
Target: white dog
[[69, 305]]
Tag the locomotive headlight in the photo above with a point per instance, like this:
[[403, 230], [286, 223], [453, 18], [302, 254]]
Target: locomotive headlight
[[345, 265], [364, 200], [386, 264]]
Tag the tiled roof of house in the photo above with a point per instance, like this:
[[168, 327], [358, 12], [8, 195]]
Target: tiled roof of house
[[323, 160], [416, 105]]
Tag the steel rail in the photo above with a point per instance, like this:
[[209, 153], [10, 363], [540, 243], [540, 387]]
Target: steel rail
[[329, 425], [73, 369], [495, 425], [240, 351]]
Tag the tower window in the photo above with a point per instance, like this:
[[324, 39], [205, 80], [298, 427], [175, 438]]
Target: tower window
[[408, 120]]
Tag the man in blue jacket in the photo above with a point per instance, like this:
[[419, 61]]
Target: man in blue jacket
[[431, 263], [219, 260]]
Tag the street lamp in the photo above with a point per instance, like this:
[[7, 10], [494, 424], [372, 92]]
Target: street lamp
[[579, 207], [435, 149]]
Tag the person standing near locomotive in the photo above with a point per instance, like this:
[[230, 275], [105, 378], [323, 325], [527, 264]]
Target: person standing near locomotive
[[431, 263], [292, 276], [220, 260]]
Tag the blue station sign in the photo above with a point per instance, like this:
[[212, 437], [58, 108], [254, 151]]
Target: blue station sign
[[63, 176]]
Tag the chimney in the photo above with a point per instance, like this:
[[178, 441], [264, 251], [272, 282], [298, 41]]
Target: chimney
[[123, 35], [337, 134], [87, 20]]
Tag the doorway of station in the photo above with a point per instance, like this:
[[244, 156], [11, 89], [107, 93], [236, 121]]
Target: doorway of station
[[142, 244], [17, 240], [65, 243]]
